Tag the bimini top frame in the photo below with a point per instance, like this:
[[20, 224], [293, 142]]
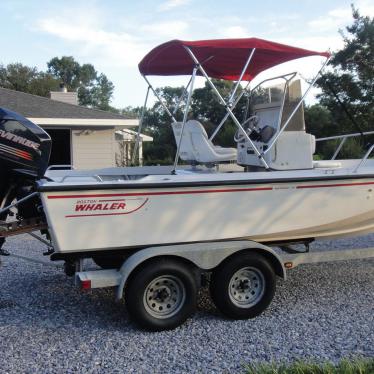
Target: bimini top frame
[[230, 59]]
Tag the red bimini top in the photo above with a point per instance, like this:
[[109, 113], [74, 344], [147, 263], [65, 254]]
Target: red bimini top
[[220, 58]]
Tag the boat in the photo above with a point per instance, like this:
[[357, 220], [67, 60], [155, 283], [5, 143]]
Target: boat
[[158, 233], [268, 189]]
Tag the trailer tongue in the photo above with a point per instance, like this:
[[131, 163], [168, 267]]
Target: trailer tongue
[[24, 154]]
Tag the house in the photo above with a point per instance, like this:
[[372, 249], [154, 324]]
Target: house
[[82, 137], [125, 141]]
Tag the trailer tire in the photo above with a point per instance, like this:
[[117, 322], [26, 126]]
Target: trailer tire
[[161, 295], [243, 286]]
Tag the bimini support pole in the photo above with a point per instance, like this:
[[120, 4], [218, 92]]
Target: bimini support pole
[[227, 107], [244, 91], [231, 99], [296, 108], [192, 82], [227, 114], [185, 90], [159, 99], [136, 146]]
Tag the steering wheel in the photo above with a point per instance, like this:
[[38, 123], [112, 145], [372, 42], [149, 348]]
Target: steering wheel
[[248, 125]]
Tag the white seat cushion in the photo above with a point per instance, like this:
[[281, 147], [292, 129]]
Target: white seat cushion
[[196, 146], [327, 164]]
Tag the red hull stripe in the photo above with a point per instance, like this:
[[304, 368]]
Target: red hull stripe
[[203, 191], [106, 214]]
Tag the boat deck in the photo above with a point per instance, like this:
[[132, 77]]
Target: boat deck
[[224, 174]]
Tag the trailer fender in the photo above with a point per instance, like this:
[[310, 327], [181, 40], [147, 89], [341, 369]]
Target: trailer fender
[[206, 256]]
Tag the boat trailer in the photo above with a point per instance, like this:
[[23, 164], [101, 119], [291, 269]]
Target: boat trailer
[[202, 261]]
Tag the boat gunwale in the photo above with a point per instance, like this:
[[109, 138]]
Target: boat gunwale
[[185, 184]]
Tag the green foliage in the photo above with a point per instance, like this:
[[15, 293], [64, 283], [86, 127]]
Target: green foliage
[[98, 94], [349, 84], [27, 79], [67, 70], [94, 90], [351, 80], [204, 106], [318, 121], [355, 366]]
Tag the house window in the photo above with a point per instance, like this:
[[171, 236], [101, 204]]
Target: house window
[[61, 146]]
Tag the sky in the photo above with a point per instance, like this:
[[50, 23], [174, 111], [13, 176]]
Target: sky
[[115, 35]]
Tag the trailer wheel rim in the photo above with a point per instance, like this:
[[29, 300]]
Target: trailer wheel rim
[[164, 297], [246, 287]]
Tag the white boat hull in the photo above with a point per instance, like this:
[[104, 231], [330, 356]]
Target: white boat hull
[[107, 219]]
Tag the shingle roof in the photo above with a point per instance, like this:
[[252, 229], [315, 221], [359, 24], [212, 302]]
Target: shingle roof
[[32, 106]]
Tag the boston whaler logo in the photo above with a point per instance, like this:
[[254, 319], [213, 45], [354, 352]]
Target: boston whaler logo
[[107, 207]]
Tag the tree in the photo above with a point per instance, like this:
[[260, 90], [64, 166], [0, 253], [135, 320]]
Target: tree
[[205, 107], [67, 70], [157, 123], [348, 89], [94, 89], [318, 121], [97, 95], [349, 84], [27, 79]]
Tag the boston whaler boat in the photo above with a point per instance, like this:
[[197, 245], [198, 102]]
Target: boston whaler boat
[[157, 229]]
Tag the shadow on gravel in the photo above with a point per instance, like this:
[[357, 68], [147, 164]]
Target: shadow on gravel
[[7, 304]]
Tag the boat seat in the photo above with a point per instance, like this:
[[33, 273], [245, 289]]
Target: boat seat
[[196, 146], [327, 164]]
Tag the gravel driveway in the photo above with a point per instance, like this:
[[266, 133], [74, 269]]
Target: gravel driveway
[[323, 311]]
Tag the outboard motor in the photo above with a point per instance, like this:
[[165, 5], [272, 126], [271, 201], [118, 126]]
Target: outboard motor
[[24, 155]]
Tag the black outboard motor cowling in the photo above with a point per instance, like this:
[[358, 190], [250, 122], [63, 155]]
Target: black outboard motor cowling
[[24, 146], [24, 155]]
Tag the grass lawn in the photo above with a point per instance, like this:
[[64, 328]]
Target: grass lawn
[[354, 366]]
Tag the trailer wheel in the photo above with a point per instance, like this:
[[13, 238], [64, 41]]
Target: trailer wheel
[[161, 295], [243, 286]]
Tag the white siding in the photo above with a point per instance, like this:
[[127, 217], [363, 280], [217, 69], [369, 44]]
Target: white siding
[[93, 149]]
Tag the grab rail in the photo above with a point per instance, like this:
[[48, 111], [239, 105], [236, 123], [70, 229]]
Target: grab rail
[[95, 176], [344, 138], [363, 160], [60, 167]]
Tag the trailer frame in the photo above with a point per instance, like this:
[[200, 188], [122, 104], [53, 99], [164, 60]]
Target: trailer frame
[[207, 256]]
